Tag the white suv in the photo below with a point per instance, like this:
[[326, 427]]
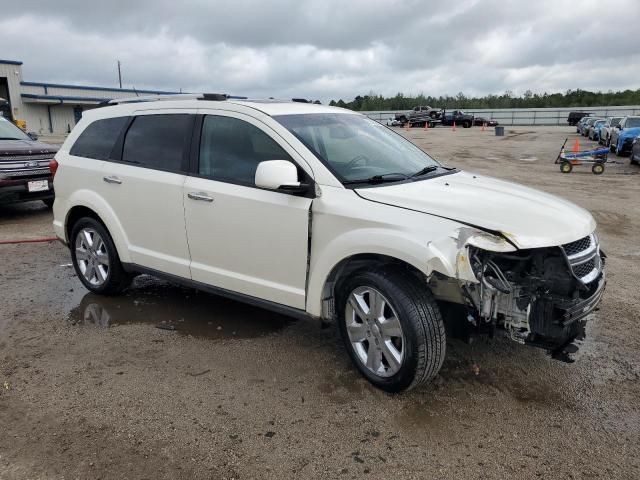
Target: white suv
[[315, 211]]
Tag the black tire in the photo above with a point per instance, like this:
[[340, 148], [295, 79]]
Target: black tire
[[466, 124], [612, 147], [597, 168], [566, 167], [424, 344], [116, 279], [49, 202]]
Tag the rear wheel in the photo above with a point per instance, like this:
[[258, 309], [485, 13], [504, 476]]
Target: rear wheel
[[392, 328], [96, 259], [466, 124], [597, 168], [566, 167]]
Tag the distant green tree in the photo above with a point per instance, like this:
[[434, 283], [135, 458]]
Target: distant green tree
[[570, 99]]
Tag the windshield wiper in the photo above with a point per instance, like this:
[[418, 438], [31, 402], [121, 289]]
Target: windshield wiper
[[425, 170], [385, 177]]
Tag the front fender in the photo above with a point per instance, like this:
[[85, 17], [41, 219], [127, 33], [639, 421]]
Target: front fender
[[427, 257]]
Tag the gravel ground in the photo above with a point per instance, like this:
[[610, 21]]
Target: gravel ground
[[166, 382]]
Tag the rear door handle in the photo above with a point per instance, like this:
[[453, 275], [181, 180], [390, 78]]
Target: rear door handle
[[200, 196], [112, 179]]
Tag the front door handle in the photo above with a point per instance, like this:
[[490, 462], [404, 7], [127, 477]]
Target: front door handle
[[200, 196], [112, 179]]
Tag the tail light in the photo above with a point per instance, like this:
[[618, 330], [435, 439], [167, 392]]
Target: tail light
[[53, 167]]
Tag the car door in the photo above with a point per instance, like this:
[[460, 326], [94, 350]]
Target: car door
[[143, 184], [243, 238], [615, 132]]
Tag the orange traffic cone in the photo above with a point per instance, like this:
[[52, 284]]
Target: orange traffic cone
[[407, 126], [426, 126], [484, 126], [453, 129], [576, 146]]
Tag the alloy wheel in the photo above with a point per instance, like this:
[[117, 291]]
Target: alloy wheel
[[92, 256], [374, 331]]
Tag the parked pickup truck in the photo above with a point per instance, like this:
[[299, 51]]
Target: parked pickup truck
[[24, 166], [458, 117], [420, 116]]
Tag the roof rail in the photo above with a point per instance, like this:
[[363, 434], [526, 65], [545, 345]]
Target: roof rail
[[178, 96]]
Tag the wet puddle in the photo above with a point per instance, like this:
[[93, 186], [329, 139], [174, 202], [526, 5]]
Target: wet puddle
[[174, 308]]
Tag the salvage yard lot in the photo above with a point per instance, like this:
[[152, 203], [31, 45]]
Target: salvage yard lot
[[90, 387]]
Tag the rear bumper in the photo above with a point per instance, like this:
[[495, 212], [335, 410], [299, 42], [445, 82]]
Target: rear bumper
[[16, 190]]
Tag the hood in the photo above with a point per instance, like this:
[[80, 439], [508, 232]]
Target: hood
[[630, 132], [527, 217], [25, 147]]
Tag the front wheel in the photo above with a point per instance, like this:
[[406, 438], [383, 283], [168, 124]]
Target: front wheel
[[392, 328], [566, 167], [95, 258]]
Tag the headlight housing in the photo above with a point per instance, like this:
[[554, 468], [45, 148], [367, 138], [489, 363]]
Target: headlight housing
[[488, 241]]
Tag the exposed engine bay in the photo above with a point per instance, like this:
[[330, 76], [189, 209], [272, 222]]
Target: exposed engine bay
[[540, 297]]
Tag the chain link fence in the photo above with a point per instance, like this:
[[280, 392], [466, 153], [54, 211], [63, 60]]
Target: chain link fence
[[525, 116]]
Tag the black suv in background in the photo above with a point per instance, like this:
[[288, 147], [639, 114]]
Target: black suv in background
[[24, 166], [575, 117]]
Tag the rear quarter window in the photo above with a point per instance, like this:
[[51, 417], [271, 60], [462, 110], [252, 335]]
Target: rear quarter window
[[98, 139]]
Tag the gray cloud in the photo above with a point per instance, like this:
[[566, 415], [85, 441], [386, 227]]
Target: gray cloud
[[326, 48]]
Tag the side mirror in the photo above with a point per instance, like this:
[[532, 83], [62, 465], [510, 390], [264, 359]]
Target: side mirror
[[279, 175], [33, 136], [619, 127]]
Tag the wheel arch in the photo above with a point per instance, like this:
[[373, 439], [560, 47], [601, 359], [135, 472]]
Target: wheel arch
[[95, 207], [325, 304]]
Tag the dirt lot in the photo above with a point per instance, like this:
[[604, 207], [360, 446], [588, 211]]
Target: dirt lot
[[91, 388]]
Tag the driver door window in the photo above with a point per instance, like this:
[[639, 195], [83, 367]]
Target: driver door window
[[231, 149]]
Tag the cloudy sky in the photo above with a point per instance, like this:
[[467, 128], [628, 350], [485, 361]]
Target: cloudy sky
[[328, 49]]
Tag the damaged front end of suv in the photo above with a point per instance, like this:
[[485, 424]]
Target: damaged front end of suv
[[539, 296]]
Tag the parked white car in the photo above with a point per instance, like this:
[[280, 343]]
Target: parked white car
[[316, 211]]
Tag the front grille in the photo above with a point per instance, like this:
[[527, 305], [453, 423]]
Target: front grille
[[577, 246], [25, 173], [583, 256], [583, 269], [26, 158]]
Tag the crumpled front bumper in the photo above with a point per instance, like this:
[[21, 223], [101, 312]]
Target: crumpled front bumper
[[558, 324]]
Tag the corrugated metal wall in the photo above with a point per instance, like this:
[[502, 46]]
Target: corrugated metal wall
[[13, 74]]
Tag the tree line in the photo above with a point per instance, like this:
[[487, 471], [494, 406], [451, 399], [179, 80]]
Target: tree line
[[571, 98]]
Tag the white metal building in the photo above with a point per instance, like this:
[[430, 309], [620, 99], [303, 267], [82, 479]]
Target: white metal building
[[49, 107]]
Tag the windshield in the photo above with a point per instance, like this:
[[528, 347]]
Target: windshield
[[356, 148], [632, 122], [8, 131]]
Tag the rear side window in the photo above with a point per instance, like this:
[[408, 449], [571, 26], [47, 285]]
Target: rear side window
[[98, 139], [231, 149], [158, 141]]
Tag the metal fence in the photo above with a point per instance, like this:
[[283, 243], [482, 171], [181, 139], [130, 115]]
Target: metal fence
[[526, 116]]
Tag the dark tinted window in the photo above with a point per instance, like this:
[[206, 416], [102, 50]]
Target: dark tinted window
[[98, 139], [157, 141], [231, 149]]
